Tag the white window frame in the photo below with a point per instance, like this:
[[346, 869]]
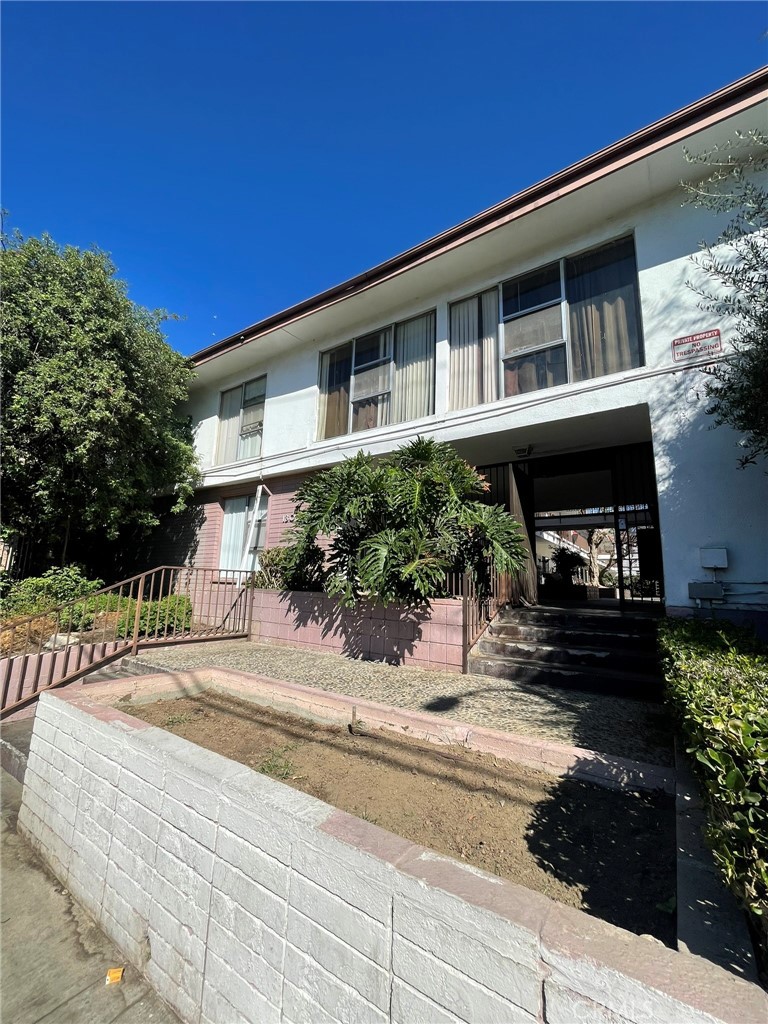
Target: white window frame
[[257, 511], [391, 330], [258, 428], [541, 347], [564, 313], [387, 360]]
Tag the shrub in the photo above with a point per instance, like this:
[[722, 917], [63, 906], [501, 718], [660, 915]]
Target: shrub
[[717, 682], [38, 594], [88, 613], [271, 571], [396, 526], [156, 618]]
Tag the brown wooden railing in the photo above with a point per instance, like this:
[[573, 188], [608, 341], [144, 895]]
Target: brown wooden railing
[[168, 605], [480, 606]]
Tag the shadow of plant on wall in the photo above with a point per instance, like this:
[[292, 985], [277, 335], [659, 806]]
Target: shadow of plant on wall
[[367, 631], [175, 541]]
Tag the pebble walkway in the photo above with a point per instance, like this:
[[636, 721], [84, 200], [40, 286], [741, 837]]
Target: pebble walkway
[[613, 725]]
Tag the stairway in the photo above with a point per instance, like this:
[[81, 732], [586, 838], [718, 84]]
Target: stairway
[[123, 668], [15, 736], [578, 648]]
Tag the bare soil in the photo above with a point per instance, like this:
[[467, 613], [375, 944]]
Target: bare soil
[[609, 853]]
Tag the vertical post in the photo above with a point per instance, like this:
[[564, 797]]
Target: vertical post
[[251, 598], [464, 622], [137, 616]]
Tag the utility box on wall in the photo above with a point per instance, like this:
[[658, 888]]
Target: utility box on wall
[[713, 558], [705, 591]]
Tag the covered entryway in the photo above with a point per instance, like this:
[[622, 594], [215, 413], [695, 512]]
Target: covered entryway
[[591, 524]]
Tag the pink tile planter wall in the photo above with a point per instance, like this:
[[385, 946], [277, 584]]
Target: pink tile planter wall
[[428, 638]]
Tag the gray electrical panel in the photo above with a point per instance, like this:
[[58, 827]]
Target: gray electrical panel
[[706, 591]]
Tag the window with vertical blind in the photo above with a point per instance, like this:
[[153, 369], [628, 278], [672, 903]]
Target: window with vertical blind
[[244, 531], [474, 331], [387, 376], [241, 422]]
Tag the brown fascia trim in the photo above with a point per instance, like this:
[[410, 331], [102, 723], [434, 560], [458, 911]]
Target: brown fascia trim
[[740, 94]]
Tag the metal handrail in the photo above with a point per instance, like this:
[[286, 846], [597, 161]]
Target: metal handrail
[[200, 611], [479, 609]]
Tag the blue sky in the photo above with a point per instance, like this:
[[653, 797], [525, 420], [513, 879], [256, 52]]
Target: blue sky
[[235, 158]]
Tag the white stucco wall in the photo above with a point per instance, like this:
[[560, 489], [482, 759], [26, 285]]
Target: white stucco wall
[[666, 235], [704, 499]]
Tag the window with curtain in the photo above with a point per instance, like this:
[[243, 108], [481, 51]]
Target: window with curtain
[[241, 422], [585, 305], [474, 328], [244, 531], [603, 310], [387, 376], [371, 380]]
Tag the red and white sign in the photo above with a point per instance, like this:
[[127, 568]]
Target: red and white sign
[[694, 346]]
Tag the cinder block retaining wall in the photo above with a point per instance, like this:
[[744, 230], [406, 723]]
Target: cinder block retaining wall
[[428, 638], [243, 900]]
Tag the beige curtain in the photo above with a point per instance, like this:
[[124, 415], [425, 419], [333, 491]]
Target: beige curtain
[[489, 303], [601, 288], [229, 426], [465, 383], [474, 350], [335, 374], [413, 386]]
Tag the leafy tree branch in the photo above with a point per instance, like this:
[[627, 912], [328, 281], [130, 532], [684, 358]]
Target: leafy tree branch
[[736, 264], [89, 391]]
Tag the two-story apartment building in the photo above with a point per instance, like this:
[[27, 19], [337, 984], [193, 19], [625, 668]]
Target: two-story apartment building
[[553, 339]]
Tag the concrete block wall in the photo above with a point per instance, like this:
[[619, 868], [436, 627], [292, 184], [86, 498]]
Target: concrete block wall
[[427, 638], [243, 900]]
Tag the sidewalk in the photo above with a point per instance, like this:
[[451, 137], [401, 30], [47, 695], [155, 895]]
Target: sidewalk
[[54, 957]]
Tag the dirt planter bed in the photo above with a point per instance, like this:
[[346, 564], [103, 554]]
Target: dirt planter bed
[[609, 852], [243, 899]]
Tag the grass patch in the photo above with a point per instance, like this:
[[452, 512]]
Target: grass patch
[[277, 765], [173, 720]]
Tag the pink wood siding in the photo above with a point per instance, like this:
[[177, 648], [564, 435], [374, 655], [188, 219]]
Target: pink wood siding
[[190, 538], [281, 504], [209, 539]]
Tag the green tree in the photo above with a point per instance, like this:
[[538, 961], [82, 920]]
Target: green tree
[[397, 525], [737, 265], [89, 389]]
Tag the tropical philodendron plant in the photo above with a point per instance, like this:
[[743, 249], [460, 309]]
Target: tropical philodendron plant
[[397, 525]]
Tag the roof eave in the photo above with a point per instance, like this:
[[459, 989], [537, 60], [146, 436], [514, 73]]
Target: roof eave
[[753, 87]]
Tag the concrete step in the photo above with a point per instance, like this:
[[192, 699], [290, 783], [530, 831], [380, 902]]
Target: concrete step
[[121, 669], [591, 638], [641, 686], [571, 654], [15, 738], [608, 621]]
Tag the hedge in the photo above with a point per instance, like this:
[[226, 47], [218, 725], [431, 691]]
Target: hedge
[[155, 618], [37, 594], [717, 682]]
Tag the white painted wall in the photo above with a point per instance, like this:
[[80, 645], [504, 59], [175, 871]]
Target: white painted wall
[[669, 310], [702, 494]]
